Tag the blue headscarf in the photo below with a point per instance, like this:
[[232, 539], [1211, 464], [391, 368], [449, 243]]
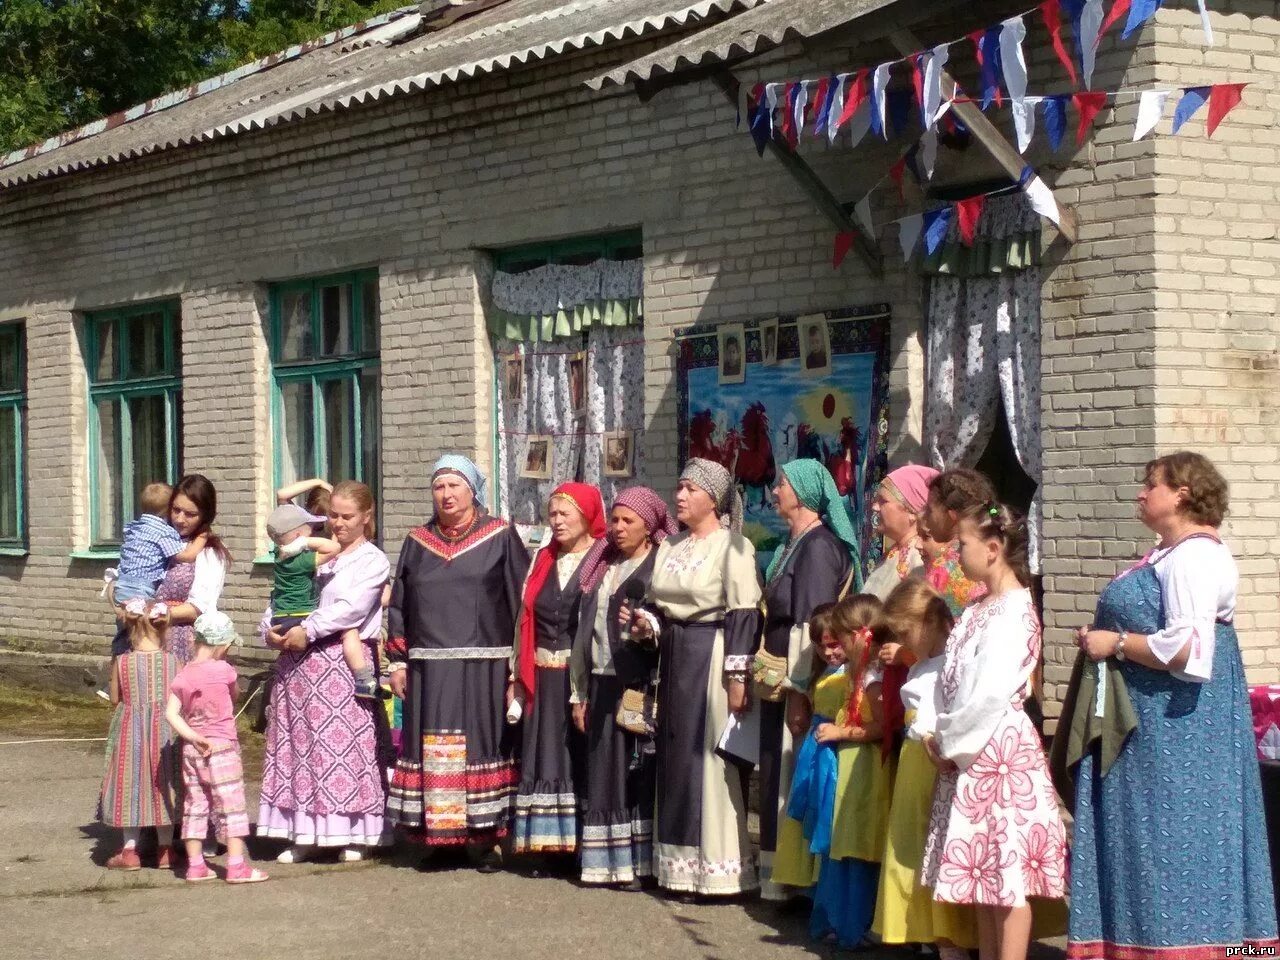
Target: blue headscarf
[[816, 489], [454, 463]]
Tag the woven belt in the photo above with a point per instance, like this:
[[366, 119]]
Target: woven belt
[[459, 653]]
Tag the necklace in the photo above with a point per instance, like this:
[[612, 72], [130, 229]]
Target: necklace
[[459, 531], [790, 548]]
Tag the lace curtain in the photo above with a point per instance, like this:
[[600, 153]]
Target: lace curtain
[[614, 402], [982, 350]]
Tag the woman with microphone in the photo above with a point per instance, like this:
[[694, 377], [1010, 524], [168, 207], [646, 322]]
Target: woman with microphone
[[617, 805]]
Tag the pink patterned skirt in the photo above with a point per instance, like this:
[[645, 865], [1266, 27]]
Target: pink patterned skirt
[[995, 834], [321, 784]]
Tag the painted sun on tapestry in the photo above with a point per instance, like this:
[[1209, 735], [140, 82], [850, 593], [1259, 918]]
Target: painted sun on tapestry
[[813, 386]]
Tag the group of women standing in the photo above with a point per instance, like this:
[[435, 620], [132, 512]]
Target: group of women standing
[[512, 674]]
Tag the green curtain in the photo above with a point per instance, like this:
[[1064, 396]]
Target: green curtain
[[1018, 251], [565, 323]]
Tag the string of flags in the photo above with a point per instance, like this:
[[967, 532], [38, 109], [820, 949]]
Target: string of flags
[[933, 225], [862, 102]]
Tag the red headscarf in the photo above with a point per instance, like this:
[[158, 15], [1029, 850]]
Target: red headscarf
[[589, 503]]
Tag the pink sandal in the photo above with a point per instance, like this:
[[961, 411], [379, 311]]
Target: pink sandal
[[245, 874], [201, 872]]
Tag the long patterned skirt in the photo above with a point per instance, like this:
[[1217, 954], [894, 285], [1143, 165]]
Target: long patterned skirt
[[455, 781], [552, 762], [1170, 853], [617, 815], [321, 783], [700, 827]]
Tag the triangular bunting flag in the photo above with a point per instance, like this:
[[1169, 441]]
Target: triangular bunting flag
[[1193, 98], [967, 212], [1042, 199], [879, 85], [836, 107], [1140, 11], [1222, 97], [843, 244], [936, 224], [1150, 110], [860, 124], [1118, 10], [799, 99], [933, 83], [760, 127], [1055, 118], [857, 93], [1012, 32], [992, 68], [929, 152], [862, 213], [822, 99], [771, 93], [786, 111], [1088, 105], [976, 39], [909, 233], [919, 63], [895, 173], [1051, 13], [1086, 20], [1205, 25]]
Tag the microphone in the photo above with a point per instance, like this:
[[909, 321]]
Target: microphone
[[634, 591]]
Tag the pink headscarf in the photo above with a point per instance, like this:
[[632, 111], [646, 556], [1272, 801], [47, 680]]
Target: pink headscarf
[[652, 511], [911, 484]]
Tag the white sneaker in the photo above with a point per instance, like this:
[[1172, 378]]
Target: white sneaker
[[351, 855], [294, 854], [104, 695]]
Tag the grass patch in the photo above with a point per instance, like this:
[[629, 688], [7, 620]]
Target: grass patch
[[27, 714]]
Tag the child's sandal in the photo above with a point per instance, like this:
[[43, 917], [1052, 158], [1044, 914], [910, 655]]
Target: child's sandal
[[245, 874], [199, 874]]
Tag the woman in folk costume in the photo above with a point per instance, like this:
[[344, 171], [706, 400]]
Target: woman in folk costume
[[452, 616], [553, 752], [1170, 842], [814, 567], [706, 594], [617, 808]]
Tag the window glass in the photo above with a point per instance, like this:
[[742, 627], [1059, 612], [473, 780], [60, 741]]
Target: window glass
[[295, 325], [108, 522], [10, 474], [335, 320], [339, 427], [297, 440], [146, 334]]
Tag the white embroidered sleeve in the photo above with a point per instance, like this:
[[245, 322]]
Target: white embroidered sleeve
[[1192, 587]]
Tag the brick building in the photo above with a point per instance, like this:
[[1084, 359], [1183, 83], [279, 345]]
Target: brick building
[[294, 267]]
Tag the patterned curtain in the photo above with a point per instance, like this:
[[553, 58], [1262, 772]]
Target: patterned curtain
[[614, 371], [982, 350], [560, 300]]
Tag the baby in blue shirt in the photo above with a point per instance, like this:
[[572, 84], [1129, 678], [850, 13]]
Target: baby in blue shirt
[[149, 547]]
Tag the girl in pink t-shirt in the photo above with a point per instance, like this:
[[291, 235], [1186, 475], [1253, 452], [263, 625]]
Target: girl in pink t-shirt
[[200, 712]]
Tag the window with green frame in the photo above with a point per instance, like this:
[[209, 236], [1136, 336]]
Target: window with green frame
[[326, 419], [133, 355], [13, 436]]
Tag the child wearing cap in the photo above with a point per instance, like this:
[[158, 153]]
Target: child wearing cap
[[299, 555], [200, 712]]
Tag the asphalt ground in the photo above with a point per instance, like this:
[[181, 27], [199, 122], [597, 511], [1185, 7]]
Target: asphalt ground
[[57, 899]]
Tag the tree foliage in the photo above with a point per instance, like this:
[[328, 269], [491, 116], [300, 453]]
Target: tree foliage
[[66, 62]]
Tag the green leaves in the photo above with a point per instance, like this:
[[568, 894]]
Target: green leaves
[[64, 63]]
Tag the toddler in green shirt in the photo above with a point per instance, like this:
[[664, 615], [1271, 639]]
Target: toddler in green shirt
[[299, 553]]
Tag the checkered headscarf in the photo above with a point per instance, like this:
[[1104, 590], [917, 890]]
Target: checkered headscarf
[[718, 483]]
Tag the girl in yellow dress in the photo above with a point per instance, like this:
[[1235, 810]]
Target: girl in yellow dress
[[804, 833], [844, 898], [919, 619]]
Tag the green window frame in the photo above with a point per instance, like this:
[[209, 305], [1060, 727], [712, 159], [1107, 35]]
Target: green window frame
[[133, 357], [626, 245], [13, 438], [326, 395]]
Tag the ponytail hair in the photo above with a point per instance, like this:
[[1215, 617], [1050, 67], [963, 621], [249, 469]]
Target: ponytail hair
[[139, 625], [359, 494], [996, 521]]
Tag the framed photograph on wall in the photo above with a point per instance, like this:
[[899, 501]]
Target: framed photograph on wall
[[769, 343], [815, 345], [538, 457], [578, 384], [513, 370], [619, 453], [733, 353]]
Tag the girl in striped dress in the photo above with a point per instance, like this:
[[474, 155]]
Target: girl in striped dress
[[138, 785]]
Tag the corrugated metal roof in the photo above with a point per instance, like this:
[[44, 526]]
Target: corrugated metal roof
[[324, 76], [769, 25]]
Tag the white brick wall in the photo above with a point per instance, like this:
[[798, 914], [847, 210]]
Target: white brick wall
[[418, 185]]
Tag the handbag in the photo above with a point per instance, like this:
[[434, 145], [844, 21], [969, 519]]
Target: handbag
[[769, 671], [637, 712]]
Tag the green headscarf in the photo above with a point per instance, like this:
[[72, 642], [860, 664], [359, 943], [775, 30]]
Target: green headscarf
[[816, 489]]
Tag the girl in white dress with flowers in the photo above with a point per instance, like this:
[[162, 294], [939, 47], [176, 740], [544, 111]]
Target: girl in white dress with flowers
[[995, 835]]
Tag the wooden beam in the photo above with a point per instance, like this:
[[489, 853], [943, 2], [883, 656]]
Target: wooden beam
[[811, 184], [985, 131]]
